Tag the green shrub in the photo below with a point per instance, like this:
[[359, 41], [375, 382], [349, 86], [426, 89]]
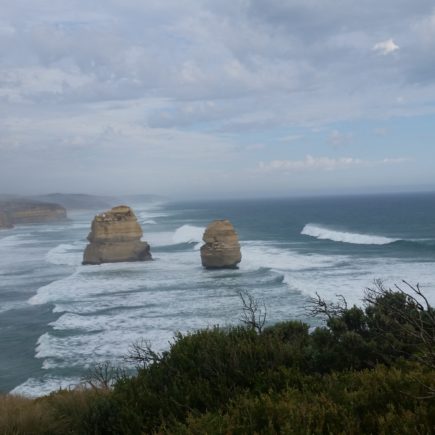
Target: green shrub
[[381, 401], [368, 370], [203, 370]]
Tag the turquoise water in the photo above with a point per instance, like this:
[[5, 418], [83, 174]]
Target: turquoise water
[[57, 317]]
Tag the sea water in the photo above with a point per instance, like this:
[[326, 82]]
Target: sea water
[[58, 318]]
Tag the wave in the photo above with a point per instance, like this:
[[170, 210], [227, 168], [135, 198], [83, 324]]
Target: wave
[[148, 217], [65, 254], [189, 234], [185, 234], [12, 241], [36, 387], [149, 222], [323, 233], [257, 255]]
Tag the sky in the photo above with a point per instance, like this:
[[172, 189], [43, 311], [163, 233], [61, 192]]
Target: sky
[[208, 98]]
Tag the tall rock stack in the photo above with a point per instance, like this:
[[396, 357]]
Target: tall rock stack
[[115, 236], [221, 249]]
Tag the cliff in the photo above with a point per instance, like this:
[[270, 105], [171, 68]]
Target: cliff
[[21, 212], [115, 237], [221, 249], [4, 221], [78, 201]]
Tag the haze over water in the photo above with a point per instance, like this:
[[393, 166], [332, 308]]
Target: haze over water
[[57, 317]]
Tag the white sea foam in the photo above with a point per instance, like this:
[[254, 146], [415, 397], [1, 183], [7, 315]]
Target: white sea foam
[[109, 336], [12, 305], [184, 234], [323, 233], [103, 309], [149, 222], [81, 285], [145, 216], [103, 317], [35, 387], [189, 234], [258, 254], [12, 241], [159, 238], [67, 254], [352, 280]]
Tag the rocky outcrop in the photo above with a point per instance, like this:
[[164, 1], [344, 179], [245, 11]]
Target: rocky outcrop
[[221, 249], [28, 212], [4, 221], [115, 236]]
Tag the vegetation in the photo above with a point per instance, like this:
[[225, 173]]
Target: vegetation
[[367, 370]]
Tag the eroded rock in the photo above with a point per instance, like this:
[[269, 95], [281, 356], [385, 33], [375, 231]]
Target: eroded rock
[[222, 248], [115, 237]]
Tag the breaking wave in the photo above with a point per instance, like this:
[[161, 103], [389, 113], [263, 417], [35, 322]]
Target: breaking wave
[[65, 254], [323, 233], [189, 234]]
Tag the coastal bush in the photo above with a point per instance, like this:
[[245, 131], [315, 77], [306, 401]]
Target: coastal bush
[[202, 371], [76, 411], [83, 411], [369, 369], [21, 416], [382, 401]]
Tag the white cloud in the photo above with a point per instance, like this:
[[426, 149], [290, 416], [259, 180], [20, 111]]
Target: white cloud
[[337, 138], [254, 147], [6, 30], [380, 131], [291, 138], [323, 164], [23, 84], [199, 81], [425, 28], [386, 47]]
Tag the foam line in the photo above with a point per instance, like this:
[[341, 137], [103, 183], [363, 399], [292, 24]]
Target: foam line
[[323, 233]]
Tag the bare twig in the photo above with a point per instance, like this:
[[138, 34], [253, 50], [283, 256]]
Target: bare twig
[[103, 376], [141, 354], [254, 311], [318, 306]]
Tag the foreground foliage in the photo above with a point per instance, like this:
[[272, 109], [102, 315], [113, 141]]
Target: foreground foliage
[[368, 370]]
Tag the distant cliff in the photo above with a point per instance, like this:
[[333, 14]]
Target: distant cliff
[[82, 201], [22, 212], [5, 221], [77, 201]]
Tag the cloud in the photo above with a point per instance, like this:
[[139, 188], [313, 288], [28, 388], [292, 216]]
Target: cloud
[[291, 138], [323, 164], [337, 138], [386, 47], [380, 131], [254, 147], [158, 82]]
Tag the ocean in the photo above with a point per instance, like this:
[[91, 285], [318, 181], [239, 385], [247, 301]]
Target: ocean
[[58, 318]]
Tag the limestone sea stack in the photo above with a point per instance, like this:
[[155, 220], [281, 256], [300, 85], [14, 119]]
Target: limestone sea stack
[[116, 236], [222, 248]]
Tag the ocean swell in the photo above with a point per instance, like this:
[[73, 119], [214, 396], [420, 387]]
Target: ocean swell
[[189, 234], [323, 233]]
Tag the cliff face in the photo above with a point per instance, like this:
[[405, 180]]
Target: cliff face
[[115, 236], [221, 249], [19, 212], [4, 221]]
